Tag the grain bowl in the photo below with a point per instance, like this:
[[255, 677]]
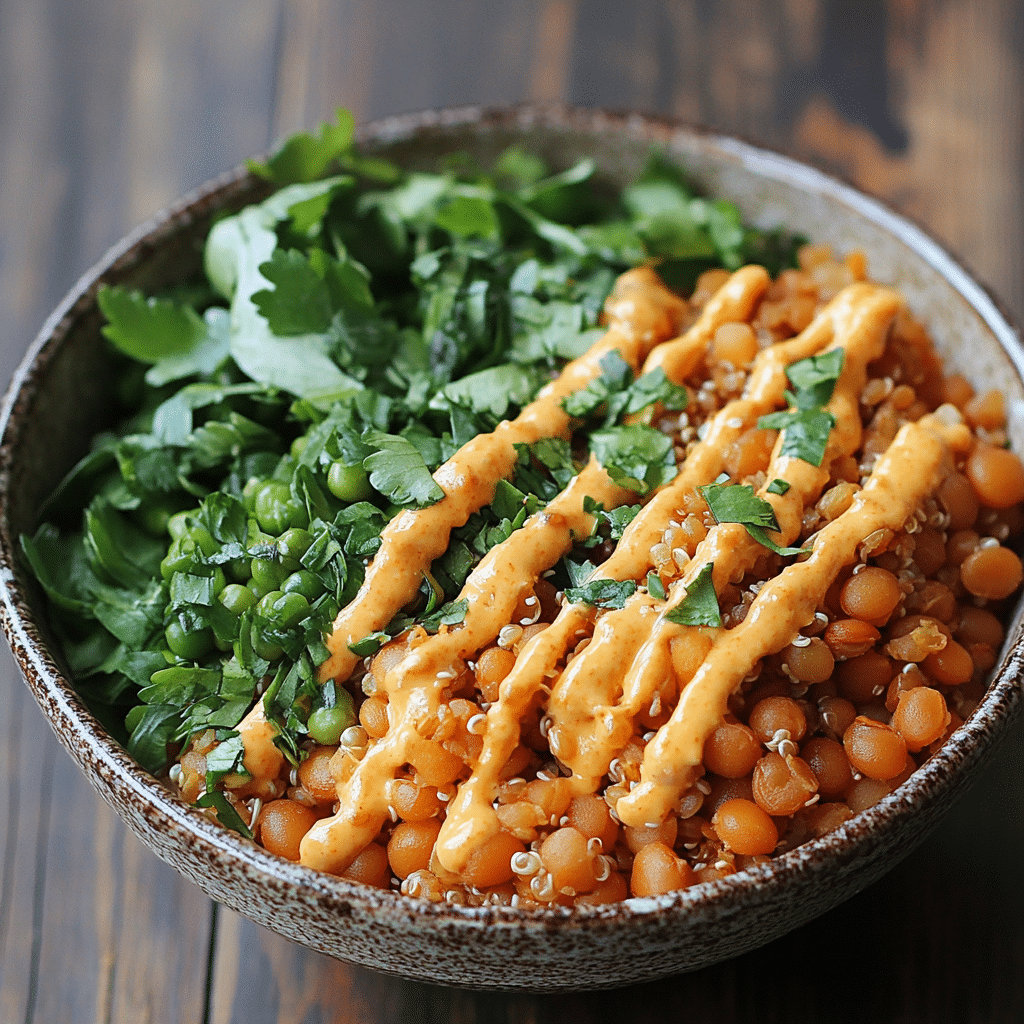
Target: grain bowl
[[62, 393]]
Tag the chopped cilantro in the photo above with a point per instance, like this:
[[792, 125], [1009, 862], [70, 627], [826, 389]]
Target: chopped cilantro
[[655, 587], [602, 593], [805, 434], [369, 644], [737, 503], [699, 606], [636, 457], [778, 486], [397, 469], [815, 379]]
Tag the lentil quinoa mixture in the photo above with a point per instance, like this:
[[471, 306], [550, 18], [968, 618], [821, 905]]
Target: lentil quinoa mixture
[[520, 794], [446, 547]]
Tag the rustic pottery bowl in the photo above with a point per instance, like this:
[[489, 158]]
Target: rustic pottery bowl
[[57, 400]]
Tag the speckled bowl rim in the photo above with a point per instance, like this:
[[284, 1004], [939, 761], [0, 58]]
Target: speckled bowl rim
[[971, 745]]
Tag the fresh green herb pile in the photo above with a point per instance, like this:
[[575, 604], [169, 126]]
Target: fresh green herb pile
[[353, 330]]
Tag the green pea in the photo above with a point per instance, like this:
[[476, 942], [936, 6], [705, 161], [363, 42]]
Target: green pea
[[299, 445], [252, 485], [153, 517], [348, 483], [283, 610], [305, 583], [239, 569], [190, 645], [272, 506], [294, 543], [266, 649], [326, 725], [180, 557], [237, 598], [268, 574], [177, 525], [203, 539]]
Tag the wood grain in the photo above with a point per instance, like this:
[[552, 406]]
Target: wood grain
[[108, 110]]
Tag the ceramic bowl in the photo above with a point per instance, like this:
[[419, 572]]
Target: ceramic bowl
[[58, 399]]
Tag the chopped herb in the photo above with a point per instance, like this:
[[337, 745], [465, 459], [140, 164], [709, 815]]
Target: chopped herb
[[815, 379], [737, 503], [655, 587], [778, 486], [602, 593], [369, 644], [805, 434], [451, 614], [699, 606], [226, 814], [636, 457]]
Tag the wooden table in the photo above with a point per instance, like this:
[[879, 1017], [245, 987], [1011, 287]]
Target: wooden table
[[110, 108]]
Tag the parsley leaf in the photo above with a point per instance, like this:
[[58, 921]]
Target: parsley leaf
[[805, 432], [699, 607], [602, 593], [737, 503], [399, 472], [306, 157], [815, 378], [636, 457], [450, 614]]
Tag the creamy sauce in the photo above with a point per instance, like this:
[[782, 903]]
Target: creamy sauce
[[914, 465], [470, 818], [861, 332], [414, 687], [641, 312]]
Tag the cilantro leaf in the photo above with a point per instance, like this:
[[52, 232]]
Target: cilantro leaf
[[226, 814], [305, 157], [602, 593], [224, 759], [815, 378], [805, 434], [148, 329], [699, 607], [398, 471], [636, 457], [298, 302], [370, 644], [493, 390], [450, 614], [655, 587], [737, 503]]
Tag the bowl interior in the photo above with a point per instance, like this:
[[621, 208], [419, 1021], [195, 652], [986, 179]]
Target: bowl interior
[[61, 394]]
